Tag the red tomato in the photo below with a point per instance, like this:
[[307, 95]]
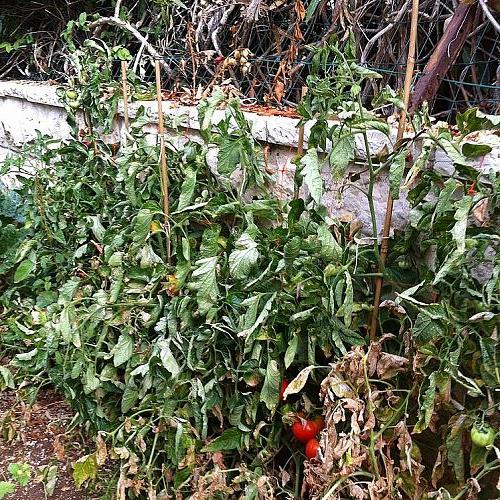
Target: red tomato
[[312, 448], [304, 430], [284, 385]]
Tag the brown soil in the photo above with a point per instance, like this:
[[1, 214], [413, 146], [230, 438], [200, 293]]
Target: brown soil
[[38, 436]]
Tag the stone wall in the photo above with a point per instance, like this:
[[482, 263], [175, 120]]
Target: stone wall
[[28, 107]]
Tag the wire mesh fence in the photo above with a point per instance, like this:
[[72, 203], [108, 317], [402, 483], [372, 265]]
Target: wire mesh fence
[[194, 36]]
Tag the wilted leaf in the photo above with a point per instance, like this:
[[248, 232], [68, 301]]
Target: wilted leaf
[[460, 228], [243, 257], [390, 365], [341, 155], [204, 281], [297, 384], [84, 468]]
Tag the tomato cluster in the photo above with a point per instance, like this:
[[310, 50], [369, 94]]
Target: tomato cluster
[[306, 431]]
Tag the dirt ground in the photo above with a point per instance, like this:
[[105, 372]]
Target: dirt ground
[[38, 436]]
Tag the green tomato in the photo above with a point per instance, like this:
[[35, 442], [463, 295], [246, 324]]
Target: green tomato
[[74, 104], [482, 435], [71, 95]]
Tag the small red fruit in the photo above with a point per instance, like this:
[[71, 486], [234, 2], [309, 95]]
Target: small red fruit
[[284, 385], [304, 430], [312, 448]]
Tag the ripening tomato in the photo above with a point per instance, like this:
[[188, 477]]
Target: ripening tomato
[[320, 422], [284, 385], [304, 430], [312, 448], [482, 435]]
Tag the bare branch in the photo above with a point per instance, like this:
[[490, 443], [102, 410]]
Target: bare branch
[[117, 8], [115, 21], [489, 15]]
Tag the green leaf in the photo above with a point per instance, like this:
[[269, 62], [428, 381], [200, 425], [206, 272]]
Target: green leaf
[[330, 248], [341, 155], [230, 439], [426, 405], [84, 468], [311, 173], [444, 202], [123, 349], [50, 479], [426, 328], [229, 157], [187, 189], [261, 318], [142, 224], [204, 282], [452, 261], [346, 309], [97, 227], [207, 108], [270, 393], [129, 399], [311, 9], [25, 268], [454, 445], [474, 150], [21, 473], [6, 488], [244, 257], [396, 171]]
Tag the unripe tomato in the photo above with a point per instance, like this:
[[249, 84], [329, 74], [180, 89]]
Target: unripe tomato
[[304, 430], [482, 435], [312, 448], [284, 385]]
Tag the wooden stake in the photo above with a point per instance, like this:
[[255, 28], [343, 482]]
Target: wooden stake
[[390, 202], [125, 94], [163, 160]]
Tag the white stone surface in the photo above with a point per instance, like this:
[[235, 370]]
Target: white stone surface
[[28, 107]]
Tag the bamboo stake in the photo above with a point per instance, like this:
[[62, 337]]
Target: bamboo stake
[[390, 202], [163, 159], [125, 94]]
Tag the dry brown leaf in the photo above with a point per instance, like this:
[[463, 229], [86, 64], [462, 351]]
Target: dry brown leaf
[[59, 451], [101, 453], [480, 211], [390, 364]]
